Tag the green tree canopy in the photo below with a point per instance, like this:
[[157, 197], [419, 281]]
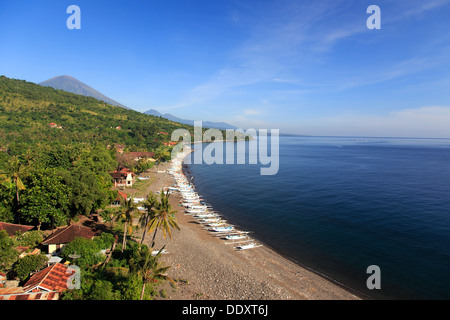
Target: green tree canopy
[[29, 264], [8, 252], [46, 198], [88, 250]]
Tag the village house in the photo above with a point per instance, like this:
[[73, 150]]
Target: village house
[[141, 155], [2, 279], [12, 229], [54, 125], [62, 236], [119, 147], [47, 284], [123, 177], [25, 251], [121, 196]]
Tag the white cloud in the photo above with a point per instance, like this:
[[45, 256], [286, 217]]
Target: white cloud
[[421, 7], [285, 42], [280, 38], [249, 118], [272, 44], [252, 112]]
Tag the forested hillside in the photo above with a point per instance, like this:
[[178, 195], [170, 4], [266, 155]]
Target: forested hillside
[[27, 109], [57, 149]]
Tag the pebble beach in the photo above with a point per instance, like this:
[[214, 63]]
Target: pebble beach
[[206, 268]]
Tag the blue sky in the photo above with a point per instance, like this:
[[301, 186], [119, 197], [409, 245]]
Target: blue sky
[[305, 67]]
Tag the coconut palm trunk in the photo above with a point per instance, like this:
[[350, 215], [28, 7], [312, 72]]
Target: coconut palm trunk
[[145, 230], [143, 290], [126, 214], [124, 241], [150, 204], [154, 236]]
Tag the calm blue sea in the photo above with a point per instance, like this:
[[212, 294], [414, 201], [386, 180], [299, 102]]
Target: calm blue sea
[[339, 205]]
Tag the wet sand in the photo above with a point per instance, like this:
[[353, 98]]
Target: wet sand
[[204, 267]]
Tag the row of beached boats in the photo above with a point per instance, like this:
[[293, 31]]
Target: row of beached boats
[[204, 213]]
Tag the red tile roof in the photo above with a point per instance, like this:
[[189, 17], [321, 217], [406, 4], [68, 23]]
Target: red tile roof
[[68, 234], [11, 229], [121, 195], [53, 278], [120, 174]]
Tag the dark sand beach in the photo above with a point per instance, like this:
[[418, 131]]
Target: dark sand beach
[[206, 268]]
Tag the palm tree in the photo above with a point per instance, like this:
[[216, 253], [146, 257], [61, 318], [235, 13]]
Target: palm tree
[[164, 217], [150, 204], [126, 213], [162, 155], [147, 266], [12, 175]]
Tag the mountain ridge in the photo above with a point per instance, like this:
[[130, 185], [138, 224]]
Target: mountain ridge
[[73, 85], [70, 84], [206, 124], [31, 115]]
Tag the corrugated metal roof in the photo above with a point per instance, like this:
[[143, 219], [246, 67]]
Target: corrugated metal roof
[[31, 296]]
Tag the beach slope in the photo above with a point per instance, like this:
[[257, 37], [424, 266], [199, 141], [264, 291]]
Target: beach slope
[[204, 267]]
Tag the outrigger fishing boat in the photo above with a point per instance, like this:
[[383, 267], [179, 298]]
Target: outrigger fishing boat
[[196, 210], [155, 252], [216, 224], [235, 236], [248, 246], [222, 229], [211, 220], [203, 212], [206, 215]]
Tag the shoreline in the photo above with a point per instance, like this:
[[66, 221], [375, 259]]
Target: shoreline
[[187, 173], [206, 268]]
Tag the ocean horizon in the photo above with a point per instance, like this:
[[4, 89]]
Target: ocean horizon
[[341, 204]]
